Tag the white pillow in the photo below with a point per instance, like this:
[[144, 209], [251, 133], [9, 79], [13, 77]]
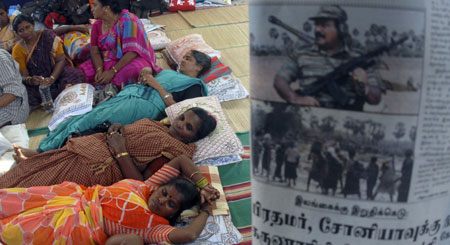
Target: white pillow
[[218, 230], [227, 88], [158, 39], [72, 101], [222, 141]]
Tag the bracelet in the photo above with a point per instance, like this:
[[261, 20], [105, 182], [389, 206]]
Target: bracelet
[[122, 154], [114, 69], [27, 80], [52, 77], [202, 183], [167, 96], [98, 68], [194, 173]]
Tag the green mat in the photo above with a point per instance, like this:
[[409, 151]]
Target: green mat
[[237, 187]]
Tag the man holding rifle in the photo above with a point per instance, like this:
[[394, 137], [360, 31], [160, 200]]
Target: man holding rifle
[[313, 67]]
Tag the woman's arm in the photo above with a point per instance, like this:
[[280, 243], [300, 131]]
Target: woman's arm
[[116, 142], [149, 80], [6, 99], [187, 167], [64, 29], [108, 75], [190, 233], [60, 62]]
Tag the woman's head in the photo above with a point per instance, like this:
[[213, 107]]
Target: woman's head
[[170, 199], [4, 19], [23, 25], [102, 8], [194, 124], [195, 63]]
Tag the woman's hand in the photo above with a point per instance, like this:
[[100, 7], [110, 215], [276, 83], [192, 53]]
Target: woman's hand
[[98, 74], [115, 140], [145, 74], [116, 127], [106, 77], [209, 194], [208, 207], [36, 80], [47, 81]]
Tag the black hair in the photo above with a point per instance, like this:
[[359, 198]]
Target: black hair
[[316, 147], [351, 153], [21, 18], [202, 59], [408, 153], [4, 7], [116, 6], [208, 125], [190, 193]]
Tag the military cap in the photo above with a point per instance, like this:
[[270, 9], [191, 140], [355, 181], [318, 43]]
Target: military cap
[[330, 12]]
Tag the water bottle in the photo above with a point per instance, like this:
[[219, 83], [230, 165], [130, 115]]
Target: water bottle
[[46, 96]]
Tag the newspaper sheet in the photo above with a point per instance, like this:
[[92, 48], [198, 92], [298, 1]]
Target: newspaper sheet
[[350, 121]]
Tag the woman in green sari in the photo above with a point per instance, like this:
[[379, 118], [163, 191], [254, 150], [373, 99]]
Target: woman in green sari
[[139, 101]]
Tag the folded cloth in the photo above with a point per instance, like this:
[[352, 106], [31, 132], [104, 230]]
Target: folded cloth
[[218, 69]]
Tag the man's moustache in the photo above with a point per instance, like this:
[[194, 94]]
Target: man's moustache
[[319, 34]]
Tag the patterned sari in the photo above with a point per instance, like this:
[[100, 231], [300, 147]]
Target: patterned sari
[[41, 61], [88, 161], [69, 213], [127, 35]]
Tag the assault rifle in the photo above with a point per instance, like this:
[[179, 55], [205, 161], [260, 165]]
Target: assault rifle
[[332, 81], [304, 37]]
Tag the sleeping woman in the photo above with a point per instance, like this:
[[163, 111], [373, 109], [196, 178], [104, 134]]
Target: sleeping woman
[[106, 158], [137, 101]]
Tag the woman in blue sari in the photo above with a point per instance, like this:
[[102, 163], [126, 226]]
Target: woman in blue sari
[[137, 101]]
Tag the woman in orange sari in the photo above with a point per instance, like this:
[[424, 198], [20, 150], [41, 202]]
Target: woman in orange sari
[[42, 60], [73, 214]]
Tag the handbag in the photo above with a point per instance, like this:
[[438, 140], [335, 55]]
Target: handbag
[[105, 93]]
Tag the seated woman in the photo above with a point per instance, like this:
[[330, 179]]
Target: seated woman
[[42, 60], [75, 214], [119, 45], [7, 36], [138, 101], [100, 158]]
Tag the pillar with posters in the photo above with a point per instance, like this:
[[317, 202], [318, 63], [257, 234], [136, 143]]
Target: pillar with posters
[[350, 121]]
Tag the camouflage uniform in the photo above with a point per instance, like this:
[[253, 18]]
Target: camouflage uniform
[[311, 63]]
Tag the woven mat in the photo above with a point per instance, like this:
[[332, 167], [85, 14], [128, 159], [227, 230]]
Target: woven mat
[[218, 37], [37, 123], [171, 21], [216, 16], [236, 184]]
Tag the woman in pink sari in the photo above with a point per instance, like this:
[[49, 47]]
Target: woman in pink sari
[[119, 45]]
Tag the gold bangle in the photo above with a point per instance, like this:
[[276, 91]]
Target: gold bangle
[[114, 69], [167, 96], [99, 68], [202, 183], [52, 77], [122, 154], [194, 173]]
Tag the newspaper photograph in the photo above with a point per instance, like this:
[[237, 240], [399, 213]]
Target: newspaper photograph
[[333, 56], [350, 122]]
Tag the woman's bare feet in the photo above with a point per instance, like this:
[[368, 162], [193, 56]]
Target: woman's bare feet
[[23, 153]]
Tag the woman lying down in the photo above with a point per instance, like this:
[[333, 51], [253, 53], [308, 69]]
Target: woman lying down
[[128, 211]]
